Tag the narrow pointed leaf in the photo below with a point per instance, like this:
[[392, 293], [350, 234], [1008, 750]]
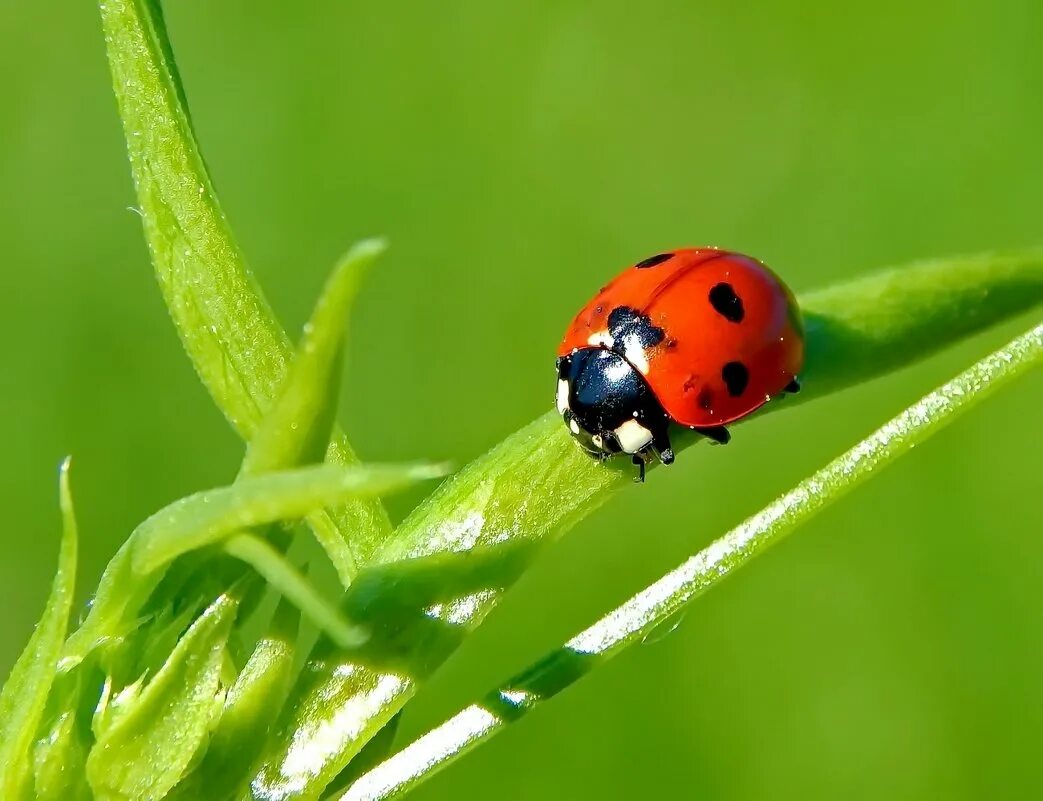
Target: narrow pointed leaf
[[140, 756], [208, 517], [537, 483], [278, 572], [296, 428], [24, 696], [228, 329]]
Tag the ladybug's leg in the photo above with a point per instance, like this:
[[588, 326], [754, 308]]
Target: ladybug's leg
[[640, 462], [661, 447], [718, 434], [792, 388]]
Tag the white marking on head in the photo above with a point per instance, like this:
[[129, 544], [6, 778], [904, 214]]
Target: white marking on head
[[573, 426], [601, 339], [633, 436], [563, 396]]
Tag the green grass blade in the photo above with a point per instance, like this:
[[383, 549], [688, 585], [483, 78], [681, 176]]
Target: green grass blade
[[635, 620], [208, 517], [228, 329], [278, 572], [141, 753], [537, 484], [296, 430], [24, 696]]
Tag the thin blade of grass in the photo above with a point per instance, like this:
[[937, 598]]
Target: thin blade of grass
[[633, 621], [227, 326], [24, 696]]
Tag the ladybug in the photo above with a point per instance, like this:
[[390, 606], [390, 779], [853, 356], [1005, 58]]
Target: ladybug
[[696, 337]]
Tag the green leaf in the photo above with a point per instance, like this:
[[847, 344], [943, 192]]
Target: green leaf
[[250, 709], [537, 484], [208, 517], [227, 327], [657, 604], [24, 696], [296, 429], [278, 572], [141, 751], [59, 762]]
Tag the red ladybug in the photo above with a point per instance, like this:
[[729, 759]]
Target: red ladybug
[[698, 337]]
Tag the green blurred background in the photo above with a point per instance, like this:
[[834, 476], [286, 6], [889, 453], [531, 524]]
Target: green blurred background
[[517, 154]]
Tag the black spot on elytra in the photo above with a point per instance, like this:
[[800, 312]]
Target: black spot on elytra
[[726, 303], [705, 399], [629, 326], [652, 261], [735, 377]]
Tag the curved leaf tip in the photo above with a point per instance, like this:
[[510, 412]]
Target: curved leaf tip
[[24, 696]]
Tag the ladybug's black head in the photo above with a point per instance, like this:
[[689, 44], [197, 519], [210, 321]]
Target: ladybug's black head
[[608, 406]]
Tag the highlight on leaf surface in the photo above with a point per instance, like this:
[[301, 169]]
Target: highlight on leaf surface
[[24, 695]]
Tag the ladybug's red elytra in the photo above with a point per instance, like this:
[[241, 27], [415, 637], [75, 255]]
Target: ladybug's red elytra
[[697, 337]]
